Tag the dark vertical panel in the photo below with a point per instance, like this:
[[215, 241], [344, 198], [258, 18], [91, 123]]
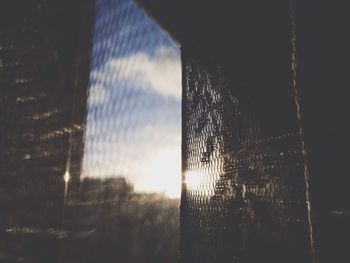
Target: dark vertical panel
[[323, 76]]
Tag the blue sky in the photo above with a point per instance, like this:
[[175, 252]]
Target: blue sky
[[134, 104]]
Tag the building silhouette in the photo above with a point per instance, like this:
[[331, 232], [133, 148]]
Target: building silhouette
[[44, 67]]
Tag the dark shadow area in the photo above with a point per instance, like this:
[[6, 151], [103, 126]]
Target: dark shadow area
[[323, 56]]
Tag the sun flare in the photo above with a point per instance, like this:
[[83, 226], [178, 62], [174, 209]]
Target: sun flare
[[162, 174], [192, 180]]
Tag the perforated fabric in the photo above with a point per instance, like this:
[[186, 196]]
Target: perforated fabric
[[244, 196]]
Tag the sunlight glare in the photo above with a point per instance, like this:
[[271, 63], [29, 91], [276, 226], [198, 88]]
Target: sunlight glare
[[163, 174], [66, 176], [192, 179]]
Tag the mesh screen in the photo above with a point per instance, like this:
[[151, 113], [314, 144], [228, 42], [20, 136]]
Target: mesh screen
[[244, 196]]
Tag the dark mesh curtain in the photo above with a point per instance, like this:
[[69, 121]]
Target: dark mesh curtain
[[244, 197], [264, 132]]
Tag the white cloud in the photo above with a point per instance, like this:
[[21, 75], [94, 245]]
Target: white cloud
[[160, 73], [97, 94]]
